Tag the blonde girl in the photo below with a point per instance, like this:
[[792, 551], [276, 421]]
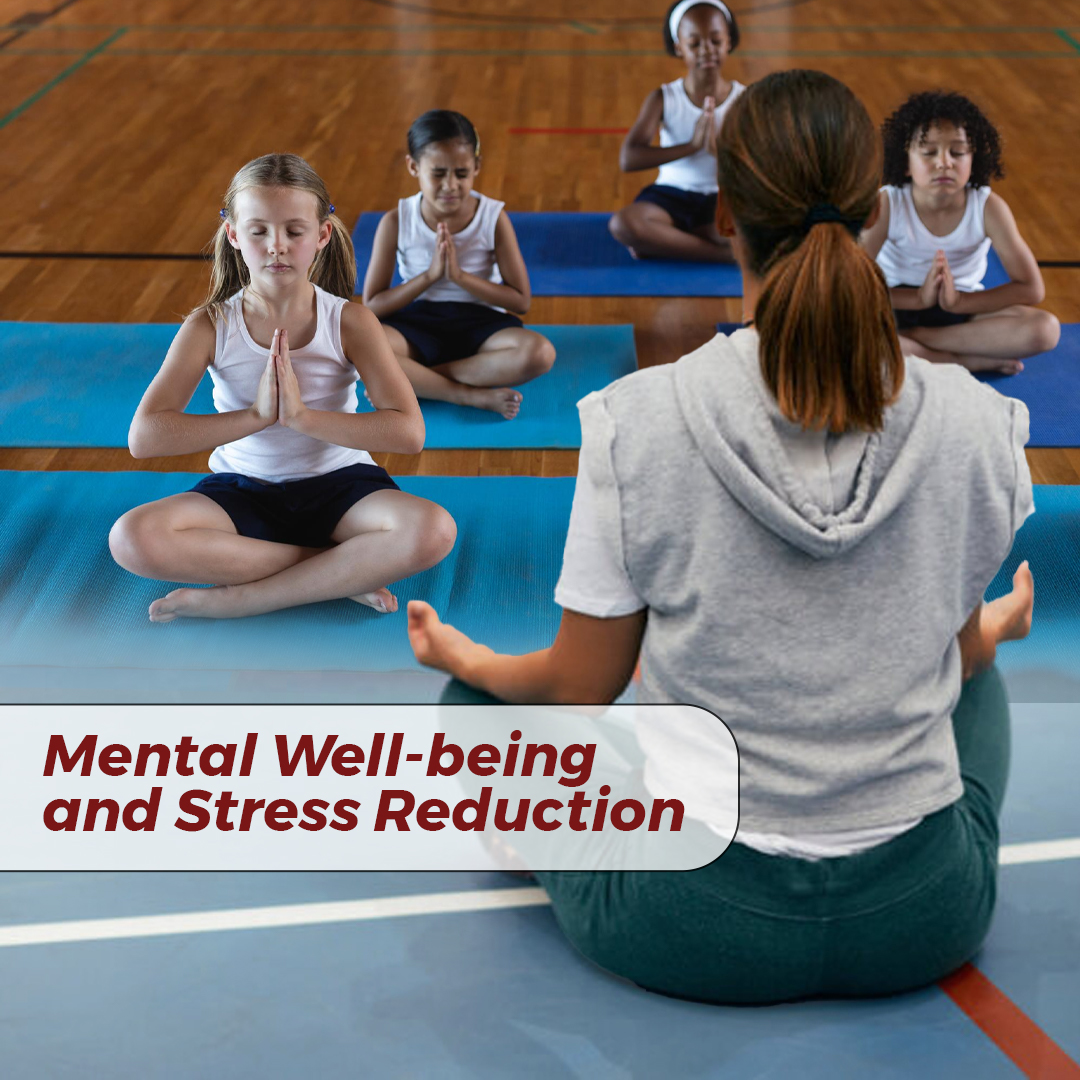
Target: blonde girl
[[295, 509]]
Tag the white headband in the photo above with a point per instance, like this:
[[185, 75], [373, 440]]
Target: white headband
[[682, 8]]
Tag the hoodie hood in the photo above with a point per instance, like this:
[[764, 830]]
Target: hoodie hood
[[821, 493]]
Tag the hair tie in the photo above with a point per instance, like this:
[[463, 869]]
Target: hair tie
[[681, 9], [823, 212], [331, 210], [223, 214]]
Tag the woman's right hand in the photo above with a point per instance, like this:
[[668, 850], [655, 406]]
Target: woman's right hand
[[931, 287], [265, 405], [705, 129]]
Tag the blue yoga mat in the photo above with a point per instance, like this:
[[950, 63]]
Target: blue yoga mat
[[573, 254], [1049, 385], [77, 384], [64, 604]]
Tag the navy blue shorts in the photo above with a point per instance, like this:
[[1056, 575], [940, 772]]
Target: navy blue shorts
[[689, 210], [302, 512], [445, 330], [931, 316]]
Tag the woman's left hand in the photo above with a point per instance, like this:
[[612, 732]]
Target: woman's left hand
[[290, 404], [438, 645]]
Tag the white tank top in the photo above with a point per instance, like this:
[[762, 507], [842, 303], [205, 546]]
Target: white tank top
[[909, 249], [327, 381], [698, 171], [475, 248]]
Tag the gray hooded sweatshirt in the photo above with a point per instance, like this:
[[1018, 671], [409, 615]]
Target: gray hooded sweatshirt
[[807, 588]]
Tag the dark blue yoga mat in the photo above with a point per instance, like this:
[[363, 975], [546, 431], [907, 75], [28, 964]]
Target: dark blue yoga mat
[[573, 254], [64, 604], [77, 384], [1049, 385]]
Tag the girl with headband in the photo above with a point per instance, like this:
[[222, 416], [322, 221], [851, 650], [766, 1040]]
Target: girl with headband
[[294, 511], [674, 218], [793, 528]]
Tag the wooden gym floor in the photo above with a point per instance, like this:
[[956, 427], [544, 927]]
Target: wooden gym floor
[[121, 123]]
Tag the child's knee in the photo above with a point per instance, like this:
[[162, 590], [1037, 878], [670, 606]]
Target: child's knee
[[135, 543], [435, 538], [621, 227], [539, 356], [1046, 331]]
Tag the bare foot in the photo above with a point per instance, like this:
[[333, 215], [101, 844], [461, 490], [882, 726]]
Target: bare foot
[[991, 363], [437, 644], [502, 400], [381, 600], [217, 602], [633, 253], [1009, 617]]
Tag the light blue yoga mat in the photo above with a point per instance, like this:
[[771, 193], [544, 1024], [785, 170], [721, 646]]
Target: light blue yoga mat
[[573, 254], [77, 384], [66, 607], [64, 604]]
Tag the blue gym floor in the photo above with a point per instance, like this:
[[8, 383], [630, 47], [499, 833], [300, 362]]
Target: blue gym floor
[[477, 993]]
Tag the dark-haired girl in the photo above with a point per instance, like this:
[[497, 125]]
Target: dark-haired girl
[[295, 509], [453, 324], [675, 217], [937, 221], [793, 527]]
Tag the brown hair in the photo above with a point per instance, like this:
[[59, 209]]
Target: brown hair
[[800, 166], [334, 268]]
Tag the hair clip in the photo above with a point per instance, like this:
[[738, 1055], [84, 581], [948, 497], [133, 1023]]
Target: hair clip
[[223, 214]]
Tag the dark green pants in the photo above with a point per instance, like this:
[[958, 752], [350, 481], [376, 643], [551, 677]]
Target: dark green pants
[[752, 928]]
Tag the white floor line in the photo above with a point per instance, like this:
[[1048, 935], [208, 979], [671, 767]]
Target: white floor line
[[390, 907], [1040, 851], [261, 918]]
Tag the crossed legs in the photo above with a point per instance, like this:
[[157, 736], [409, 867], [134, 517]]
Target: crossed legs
[[382, 538], [485, 380], [650, 233], [996, 341]]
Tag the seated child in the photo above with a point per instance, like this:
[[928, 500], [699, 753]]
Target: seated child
[[675, 218], [462, 268], [937, 219]]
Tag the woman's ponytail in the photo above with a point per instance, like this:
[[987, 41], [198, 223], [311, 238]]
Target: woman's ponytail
[[799, 165]]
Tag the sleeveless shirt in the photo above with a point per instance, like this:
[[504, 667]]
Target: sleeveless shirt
[[909, 249], [475, 248], [327, 381], [698, 171]]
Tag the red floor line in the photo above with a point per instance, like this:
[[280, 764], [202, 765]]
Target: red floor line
[[1015, 1034], [566, 131]]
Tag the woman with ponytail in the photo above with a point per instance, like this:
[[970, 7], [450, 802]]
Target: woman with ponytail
[[793, 528], [295, 510]]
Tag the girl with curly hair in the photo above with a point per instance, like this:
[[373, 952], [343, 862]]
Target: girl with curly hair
[[938, 218]]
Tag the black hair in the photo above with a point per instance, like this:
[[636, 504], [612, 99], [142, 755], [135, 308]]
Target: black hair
[[441, 125], [733, 27], [910, 123]]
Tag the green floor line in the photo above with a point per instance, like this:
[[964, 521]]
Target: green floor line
[[1021, 54], [583, 27], [57, 80], [1068, 38]]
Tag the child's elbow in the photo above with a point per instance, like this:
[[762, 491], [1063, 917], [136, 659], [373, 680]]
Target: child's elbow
[[413, 436], [138, 442]]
